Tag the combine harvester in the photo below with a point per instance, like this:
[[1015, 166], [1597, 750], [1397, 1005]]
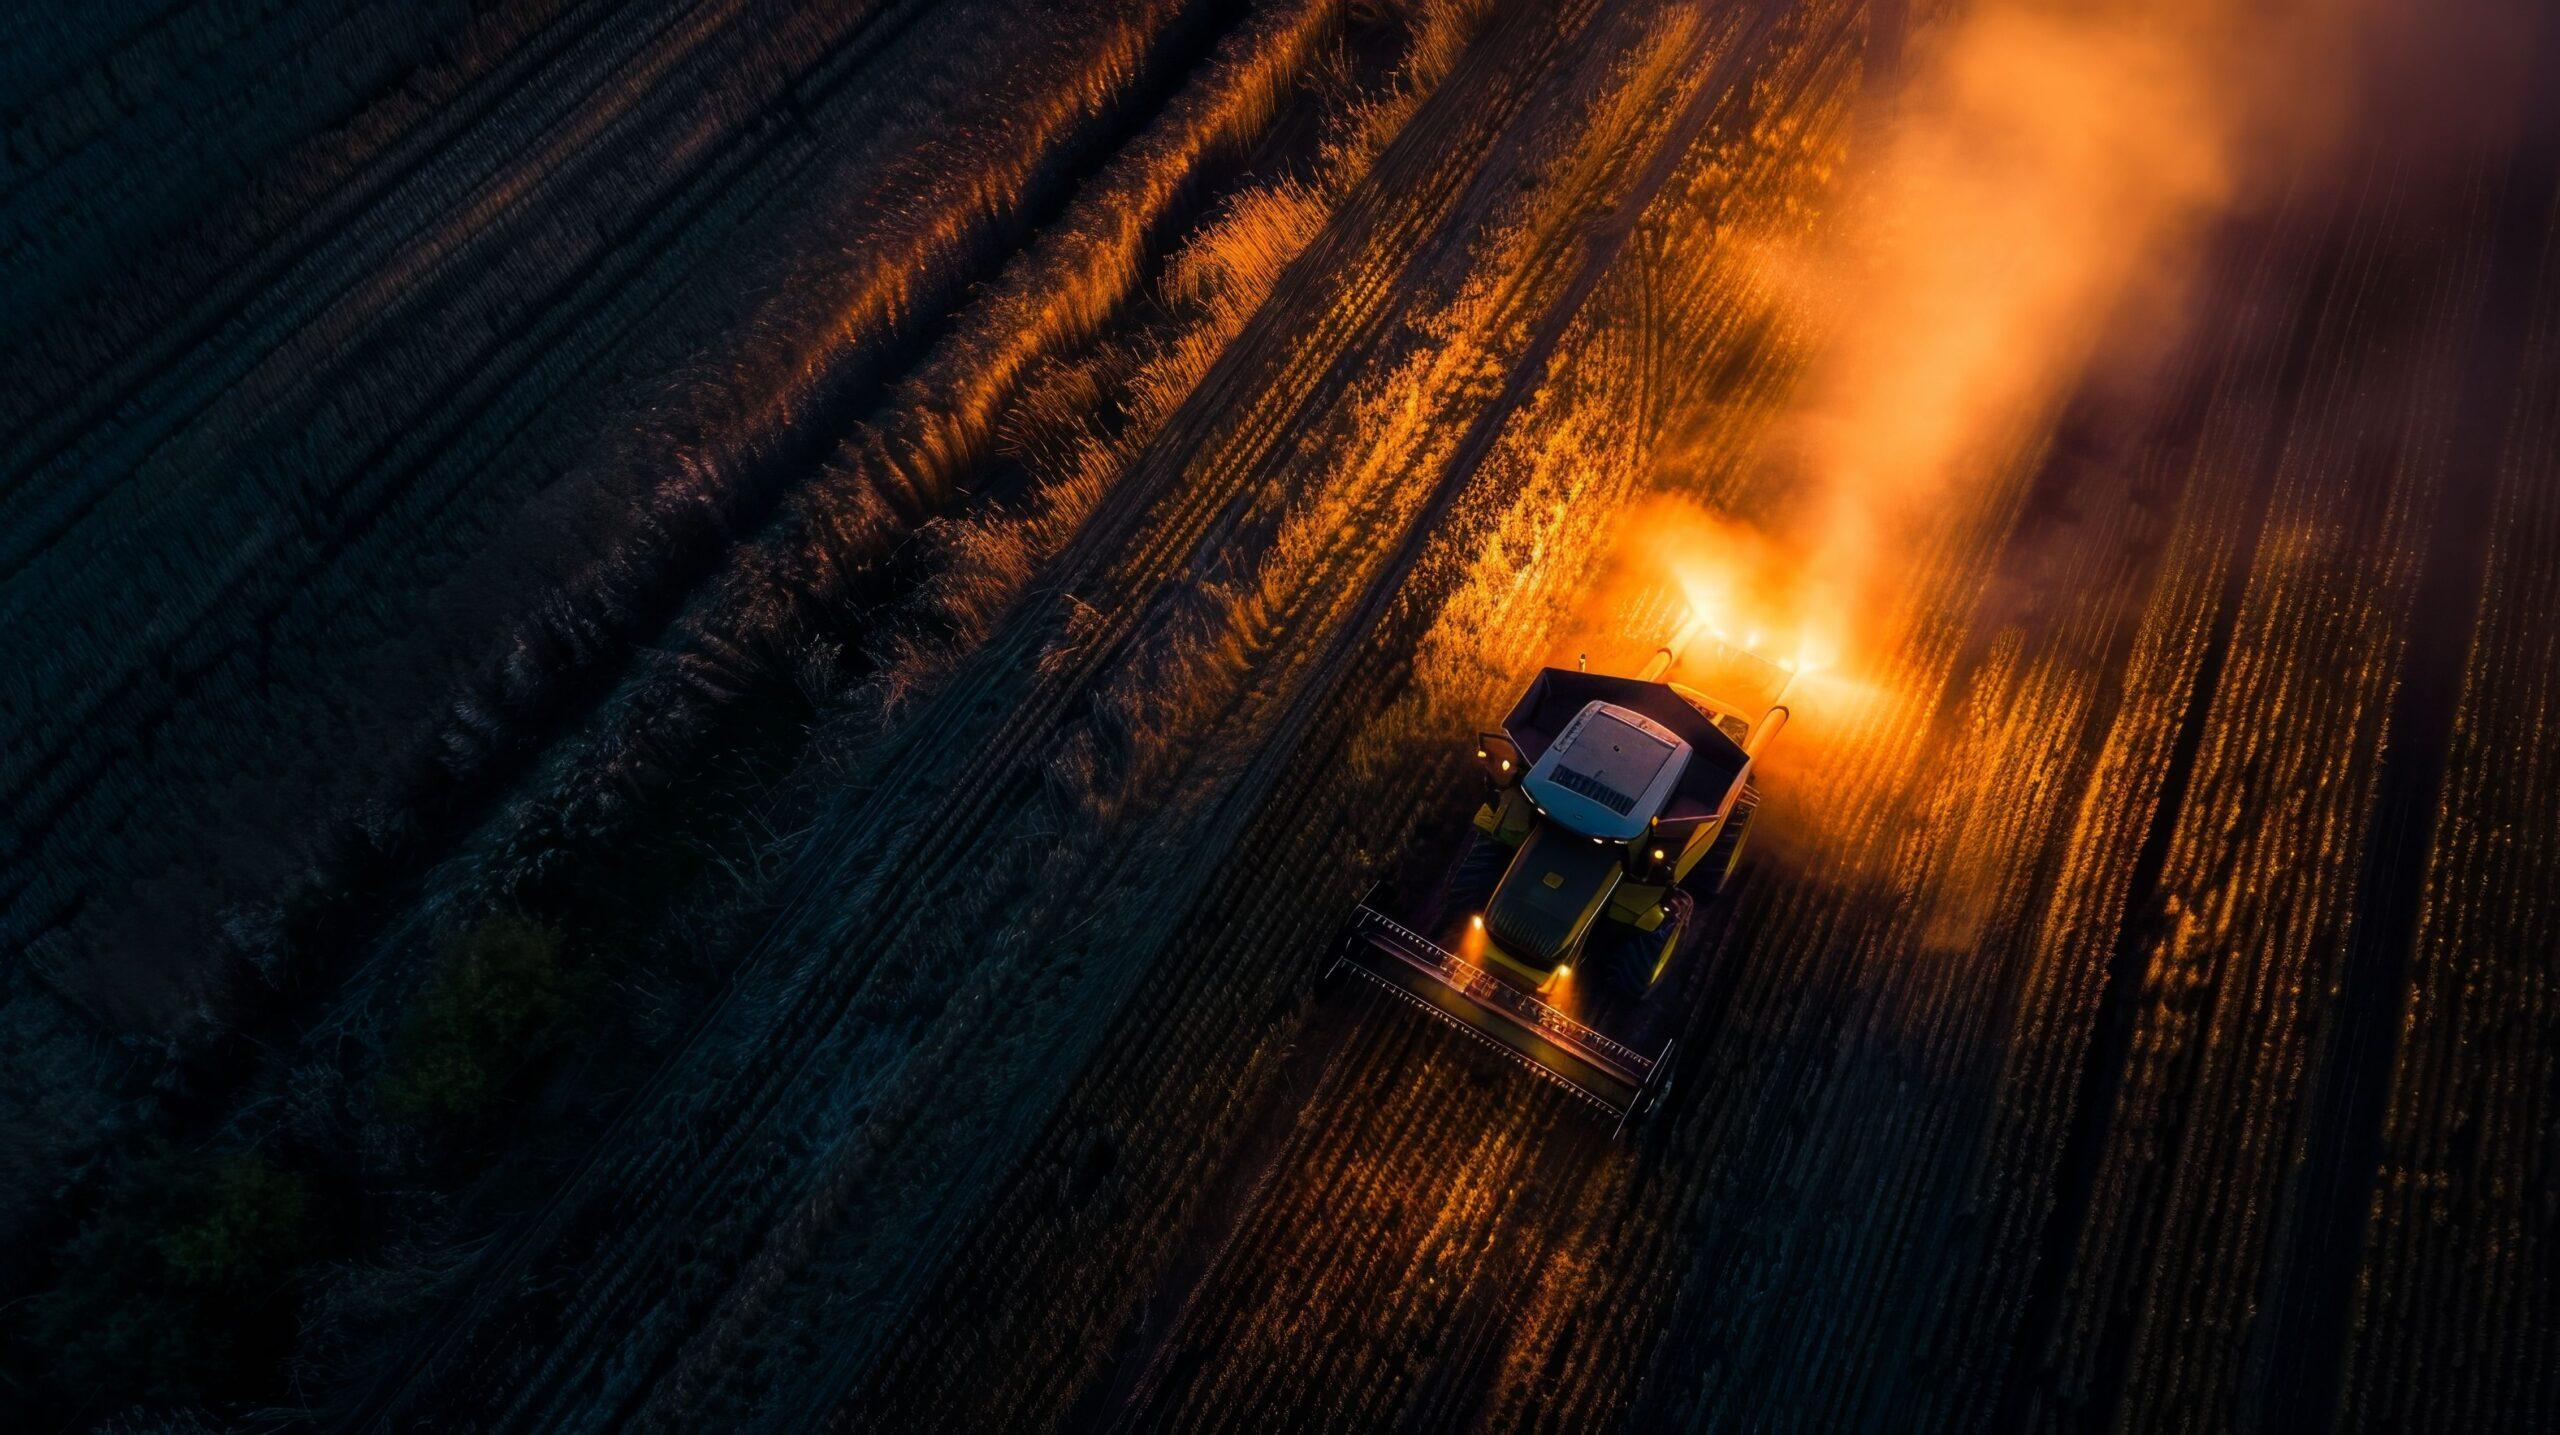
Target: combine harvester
[[1613, 800]]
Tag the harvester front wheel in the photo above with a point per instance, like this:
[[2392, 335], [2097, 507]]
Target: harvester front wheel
[[1623, 962], [1682, 906]]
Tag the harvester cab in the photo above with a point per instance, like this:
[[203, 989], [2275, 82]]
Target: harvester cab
[[1612, 804]]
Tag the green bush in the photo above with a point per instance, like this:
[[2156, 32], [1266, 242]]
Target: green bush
[[490, 1006], [181, 1280]]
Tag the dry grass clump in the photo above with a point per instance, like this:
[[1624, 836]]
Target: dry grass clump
[[1213, 284], [1217, 279], [783, 616]]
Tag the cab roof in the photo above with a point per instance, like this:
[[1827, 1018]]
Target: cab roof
[[1558, 695], [1608, 774]]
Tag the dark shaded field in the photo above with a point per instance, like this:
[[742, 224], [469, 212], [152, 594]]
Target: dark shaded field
[[690, 685]]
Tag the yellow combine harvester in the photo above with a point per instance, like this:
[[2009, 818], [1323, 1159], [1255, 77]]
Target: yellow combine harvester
[[1612, 801]]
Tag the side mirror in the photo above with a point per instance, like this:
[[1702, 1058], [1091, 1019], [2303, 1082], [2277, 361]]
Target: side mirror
[[1500, 759]]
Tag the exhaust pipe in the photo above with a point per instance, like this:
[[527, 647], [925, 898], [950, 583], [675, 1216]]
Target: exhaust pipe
[[1669, 652]]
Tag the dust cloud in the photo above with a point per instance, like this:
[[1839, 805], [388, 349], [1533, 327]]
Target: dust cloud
[[2047, 176]]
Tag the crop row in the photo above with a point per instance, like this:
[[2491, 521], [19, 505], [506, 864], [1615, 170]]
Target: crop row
[[1602, 1372], [2256, 892], [2454, 1322], [118, 126]]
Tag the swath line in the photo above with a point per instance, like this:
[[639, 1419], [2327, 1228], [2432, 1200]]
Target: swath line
[[2298, 1349], [2109, 1054]]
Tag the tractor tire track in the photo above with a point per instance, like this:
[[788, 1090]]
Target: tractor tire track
[[316, 261]]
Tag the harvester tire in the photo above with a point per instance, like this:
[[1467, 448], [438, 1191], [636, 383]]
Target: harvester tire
[[1619, 960]]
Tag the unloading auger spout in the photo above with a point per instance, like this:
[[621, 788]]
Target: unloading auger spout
[[1670, 651]]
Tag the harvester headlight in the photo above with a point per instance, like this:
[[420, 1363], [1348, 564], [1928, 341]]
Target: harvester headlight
[[1476, 921], [1480, 752], [1506, 764], [1657, 854]]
